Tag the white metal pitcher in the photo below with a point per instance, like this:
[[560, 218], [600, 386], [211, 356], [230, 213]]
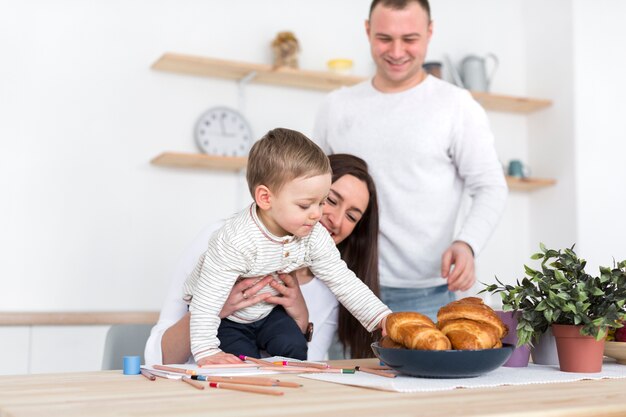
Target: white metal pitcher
[[474, 71]]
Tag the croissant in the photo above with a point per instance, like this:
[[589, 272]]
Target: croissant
[[387, 343], [415, 331], [470, 324]]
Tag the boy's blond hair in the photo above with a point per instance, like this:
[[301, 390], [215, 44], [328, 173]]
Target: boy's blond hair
[[283, 155]]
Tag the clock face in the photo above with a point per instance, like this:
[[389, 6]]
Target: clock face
[[223, 131]]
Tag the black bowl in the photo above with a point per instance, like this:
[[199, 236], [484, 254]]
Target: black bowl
[[443, 363]]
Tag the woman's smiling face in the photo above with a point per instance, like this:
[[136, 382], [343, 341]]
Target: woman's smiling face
[[347, 201]]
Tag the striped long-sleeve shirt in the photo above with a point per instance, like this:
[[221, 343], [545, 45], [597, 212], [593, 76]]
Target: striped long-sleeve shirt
[[243, 247]]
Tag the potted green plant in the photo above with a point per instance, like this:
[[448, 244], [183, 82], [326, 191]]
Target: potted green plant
[[560, 293]]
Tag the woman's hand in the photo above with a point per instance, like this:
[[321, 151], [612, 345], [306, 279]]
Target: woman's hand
[[245, 294], [291, 299]]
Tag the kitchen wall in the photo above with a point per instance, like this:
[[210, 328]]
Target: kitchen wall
[[88, 224]]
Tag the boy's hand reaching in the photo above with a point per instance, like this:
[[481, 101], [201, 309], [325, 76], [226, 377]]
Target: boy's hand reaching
[[383, 325], [220, 358]]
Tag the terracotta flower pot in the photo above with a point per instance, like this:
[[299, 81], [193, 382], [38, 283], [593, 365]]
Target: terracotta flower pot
[[577, 353]]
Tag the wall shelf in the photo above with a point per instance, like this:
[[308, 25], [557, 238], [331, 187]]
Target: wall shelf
[[316, 80], [193, 160], [528, 184], [264, 74], [76, 318], [201, 161]]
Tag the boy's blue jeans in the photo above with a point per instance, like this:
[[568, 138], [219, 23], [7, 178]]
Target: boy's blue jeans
[[277, 334]]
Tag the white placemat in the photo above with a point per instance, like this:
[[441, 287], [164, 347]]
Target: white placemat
[[533, 374]]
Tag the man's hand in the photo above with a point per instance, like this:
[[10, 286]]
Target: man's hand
[[462, 276], [291, 299], [219, 359]]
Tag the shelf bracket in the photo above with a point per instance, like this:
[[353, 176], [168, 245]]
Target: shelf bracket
[[241, 85], [247, 78]]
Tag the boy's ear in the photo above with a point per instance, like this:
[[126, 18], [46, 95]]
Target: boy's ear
[[263, 197]]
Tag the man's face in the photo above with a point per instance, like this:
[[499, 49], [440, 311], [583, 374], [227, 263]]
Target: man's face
[[398, 41]]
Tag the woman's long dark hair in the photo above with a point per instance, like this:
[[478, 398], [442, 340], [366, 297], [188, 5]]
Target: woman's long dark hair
[[360, 252]]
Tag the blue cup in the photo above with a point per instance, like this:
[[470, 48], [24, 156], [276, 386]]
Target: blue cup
[[517, 169], [132, 365]]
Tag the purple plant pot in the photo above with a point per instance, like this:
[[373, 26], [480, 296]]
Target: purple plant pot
[[521, 355]]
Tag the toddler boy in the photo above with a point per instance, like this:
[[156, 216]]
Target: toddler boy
[[289, 178]]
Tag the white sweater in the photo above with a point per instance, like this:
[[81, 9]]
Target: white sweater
[[244, 247], [424, 147]]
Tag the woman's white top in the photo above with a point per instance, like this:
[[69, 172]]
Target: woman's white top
[[322, 305]]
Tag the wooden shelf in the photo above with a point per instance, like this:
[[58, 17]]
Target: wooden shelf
[[498, 102], [191, 160], [264, 74], [77, 318], [315, 80], [528, 184]]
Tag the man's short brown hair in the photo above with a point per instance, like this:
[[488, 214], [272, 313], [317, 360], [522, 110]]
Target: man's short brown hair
[[283, 155], [400, 5]]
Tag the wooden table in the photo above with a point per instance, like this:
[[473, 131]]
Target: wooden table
[[110, 393]]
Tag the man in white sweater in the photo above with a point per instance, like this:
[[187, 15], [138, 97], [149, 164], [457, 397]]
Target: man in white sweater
[[426, 142]]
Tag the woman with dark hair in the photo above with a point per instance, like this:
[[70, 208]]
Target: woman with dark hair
[[359, 251], [351, 217]]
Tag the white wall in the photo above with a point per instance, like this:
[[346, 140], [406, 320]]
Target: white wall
[[600, 65], [86, 223]]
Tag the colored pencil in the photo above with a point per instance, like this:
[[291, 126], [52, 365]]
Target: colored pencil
[[302, 364], [228, 365], [255, 360], [243, 388], [375, 372], [291, 369], [264, 382], [193, 383], [173, 369], [148, 375]]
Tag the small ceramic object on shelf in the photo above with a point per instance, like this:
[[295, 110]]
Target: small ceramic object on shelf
[[285, 48], [340, 66]]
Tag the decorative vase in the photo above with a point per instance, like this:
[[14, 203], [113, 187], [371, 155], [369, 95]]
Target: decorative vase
[[543, 351], [577, 352], [521, 354]]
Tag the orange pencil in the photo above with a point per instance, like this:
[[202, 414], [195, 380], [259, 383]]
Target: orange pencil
[[255, 360], [264, 382], [375, 372], [242, 388], [173, 369], [193, 383]]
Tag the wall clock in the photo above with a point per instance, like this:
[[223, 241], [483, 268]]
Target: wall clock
[[223, 131]]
